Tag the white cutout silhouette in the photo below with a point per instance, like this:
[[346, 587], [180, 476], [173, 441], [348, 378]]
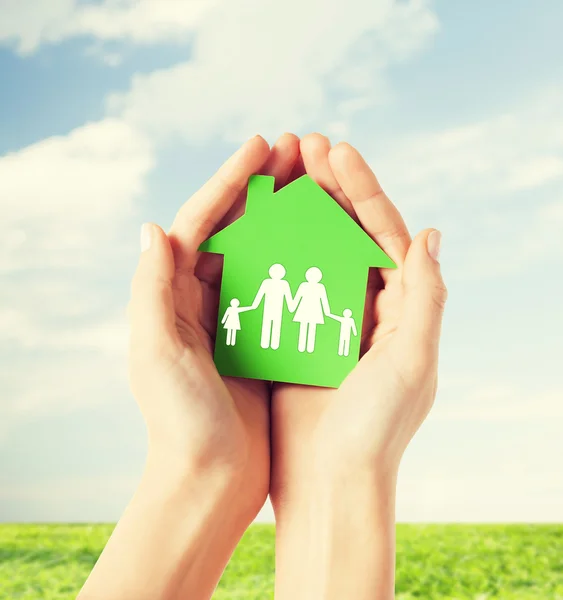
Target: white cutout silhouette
[[231, 320], [310, 305], [275, 291], [347, 327]]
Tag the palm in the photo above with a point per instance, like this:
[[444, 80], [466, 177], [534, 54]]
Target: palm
[[246, 402], [297, 410]]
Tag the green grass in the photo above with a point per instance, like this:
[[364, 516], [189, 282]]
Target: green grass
[[434, 562]]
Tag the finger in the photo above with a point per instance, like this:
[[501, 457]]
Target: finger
[[204, 210], [297, 171], [425, 296], [282, 159], [151, 309], [377, 214], [315, 149]]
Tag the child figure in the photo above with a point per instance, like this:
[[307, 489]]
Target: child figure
[[347, 327], [231, 320]]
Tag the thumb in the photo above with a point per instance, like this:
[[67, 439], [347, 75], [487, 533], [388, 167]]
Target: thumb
[[425, 297], [151, 309]]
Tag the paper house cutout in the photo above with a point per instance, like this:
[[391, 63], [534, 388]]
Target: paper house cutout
[[293, 287]]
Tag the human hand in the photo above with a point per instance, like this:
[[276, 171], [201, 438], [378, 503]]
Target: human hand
[[245, 309], [370, 419], [207, 468], [334, 317], [205, 424], [336, 452]]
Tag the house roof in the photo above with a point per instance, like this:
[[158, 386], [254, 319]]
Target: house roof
[[301, 210]]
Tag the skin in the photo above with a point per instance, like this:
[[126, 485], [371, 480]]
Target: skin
[[208, 463], [334, 453]]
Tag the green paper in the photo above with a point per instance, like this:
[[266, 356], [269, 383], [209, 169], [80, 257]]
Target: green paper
[[293, 287]]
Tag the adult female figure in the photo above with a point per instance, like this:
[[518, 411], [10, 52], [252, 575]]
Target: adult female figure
[[310, 305]]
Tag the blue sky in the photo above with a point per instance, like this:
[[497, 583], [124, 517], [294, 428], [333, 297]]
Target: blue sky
[[113, 113]]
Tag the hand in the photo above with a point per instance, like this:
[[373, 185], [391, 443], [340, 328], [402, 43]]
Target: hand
[[207, 469], [370, 419], [245, 309], [325, 439], [196, 419]]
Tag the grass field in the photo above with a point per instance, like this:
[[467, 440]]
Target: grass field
[[434, 562]]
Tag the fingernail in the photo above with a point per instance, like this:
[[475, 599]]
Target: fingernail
[[260, 137], [433, 243], [146, 236]]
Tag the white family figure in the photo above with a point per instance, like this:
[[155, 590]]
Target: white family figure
[[310, 305], [274, 291], [231, 320], [347, 327]]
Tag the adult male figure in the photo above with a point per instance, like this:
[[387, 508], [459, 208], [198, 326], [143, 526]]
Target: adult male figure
[[275, 291]]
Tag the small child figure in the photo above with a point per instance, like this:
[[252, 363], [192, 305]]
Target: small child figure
[[231, 320], [347, 327]]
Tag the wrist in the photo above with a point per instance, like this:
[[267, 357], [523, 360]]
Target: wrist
[[326, 476], [219, 486], [178, 477], [177, 534], [333, 490], [335, 536]]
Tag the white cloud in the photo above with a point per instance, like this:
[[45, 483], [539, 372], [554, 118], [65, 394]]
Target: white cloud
[[509, 239], [535, 172], [111, 59], [518, 150], [106, 336], [16, 326], [85, 171], [487, 453], [276, 70], [63, 352], [493, 186], [256, 68], [68, 204], [498, 402], [26, 24], [64, 198], [519, 496], [73, 368], [67, 383], [85, 498]]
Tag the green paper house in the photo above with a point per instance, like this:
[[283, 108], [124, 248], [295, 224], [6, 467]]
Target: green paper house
[[294, 286]]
